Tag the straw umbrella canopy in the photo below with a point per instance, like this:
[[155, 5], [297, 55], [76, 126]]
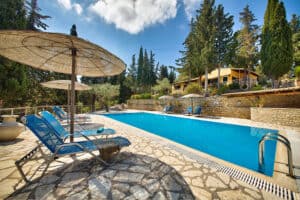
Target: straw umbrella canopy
[[167, 97], [59, 53], [65, 85], [191, 96]]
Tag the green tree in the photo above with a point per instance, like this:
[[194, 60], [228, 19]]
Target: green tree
[[12, 14], [296, 46], [106, 93], [152, 69], [277, 51], [224, 23], [140, 67], [231, 57], [295, 24], [205, 38], [162, 87], [34, 21], [124, 90], [172, 75], [163, 72], [13, 80], [247, 51], [193, 88], [189, 62]]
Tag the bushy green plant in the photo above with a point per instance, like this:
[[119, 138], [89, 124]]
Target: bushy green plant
[[141, 96], [257, 87], [193, 88], [223, 89], [244, 86], [234, 86], [297, 72], [162, 87]]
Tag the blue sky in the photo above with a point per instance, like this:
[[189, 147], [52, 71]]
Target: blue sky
[[121, 26]]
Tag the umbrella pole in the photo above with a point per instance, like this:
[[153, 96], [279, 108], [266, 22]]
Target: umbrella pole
[[73, 77], [69, 103]]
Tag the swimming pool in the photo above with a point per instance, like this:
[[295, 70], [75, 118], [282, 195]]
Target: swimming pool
[[233, 143]]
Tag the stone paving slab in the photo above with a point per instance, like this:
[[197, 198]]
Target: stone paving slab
[[145, 170]]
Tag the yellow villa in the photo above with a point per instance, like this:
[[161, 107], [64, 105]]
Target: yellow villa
[[227, 77]]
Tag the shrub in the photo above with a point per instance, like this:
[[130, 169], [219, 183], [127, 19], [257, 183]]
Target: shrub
[[213, 91], [256, 87], [222, 89], [234, 86], [297, 72], [193, 88], [141, 96]]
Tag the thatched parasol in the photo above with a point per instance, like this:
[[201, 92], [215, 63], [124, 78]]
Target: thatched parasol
[[191, 96], [60, 53]]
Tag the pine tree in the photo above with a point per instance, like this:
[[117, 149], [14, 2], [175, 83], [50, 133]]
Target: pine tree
[[34, 21], [190, 62], [205, 37], [277, 50], [247, 50], [224, 23]]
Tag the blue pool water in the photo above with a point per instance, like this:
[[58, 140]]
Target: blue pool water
[[233, 143]]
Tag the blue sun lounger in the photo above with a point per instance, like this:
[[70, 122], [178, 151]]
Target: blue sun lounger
[[56, 125], [168, 109], [197, 111], [58, 148], [188, 111], [63, 116]]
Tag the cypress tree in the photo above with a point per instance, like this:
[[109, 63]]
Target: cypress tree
[[277, 51], [140, 67], [266, 38], [163, 72], [152, 69], [146, 71]]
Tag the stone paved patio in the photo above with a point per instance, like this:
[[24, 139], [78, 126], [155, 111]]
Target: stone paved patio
[[145, 170]]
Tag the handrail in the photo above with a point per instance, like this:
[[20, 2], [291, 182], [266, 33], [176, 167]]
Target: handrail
[[279, 138], [36, 109]]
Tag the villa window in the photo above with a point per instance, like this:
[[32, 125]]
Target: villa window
[[225, 79]]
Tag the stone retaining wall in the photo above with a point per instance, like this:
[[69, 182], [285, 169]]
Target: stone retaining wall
[[226, 106], [280, 116]]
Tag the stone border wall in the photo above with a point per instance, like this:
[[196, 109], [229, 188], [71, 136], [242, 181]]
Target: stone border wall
[[280, 116], [225, 106]]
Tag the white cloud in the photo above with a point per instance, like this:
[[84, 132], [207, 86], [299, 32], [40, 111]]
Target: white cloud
[[65, 4], [134, 15], [68, 5], [190, 6], [77, 8]]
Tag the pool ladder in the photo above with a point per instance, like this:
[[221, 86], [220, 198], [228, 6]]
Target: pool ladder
[[279, 138]]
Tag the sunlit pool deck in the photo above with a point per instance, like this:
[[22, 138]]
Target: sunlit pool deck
[[151, 168]]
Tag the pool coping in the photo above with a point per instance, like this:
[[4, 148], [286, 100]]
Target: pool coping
[[253, 178]]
